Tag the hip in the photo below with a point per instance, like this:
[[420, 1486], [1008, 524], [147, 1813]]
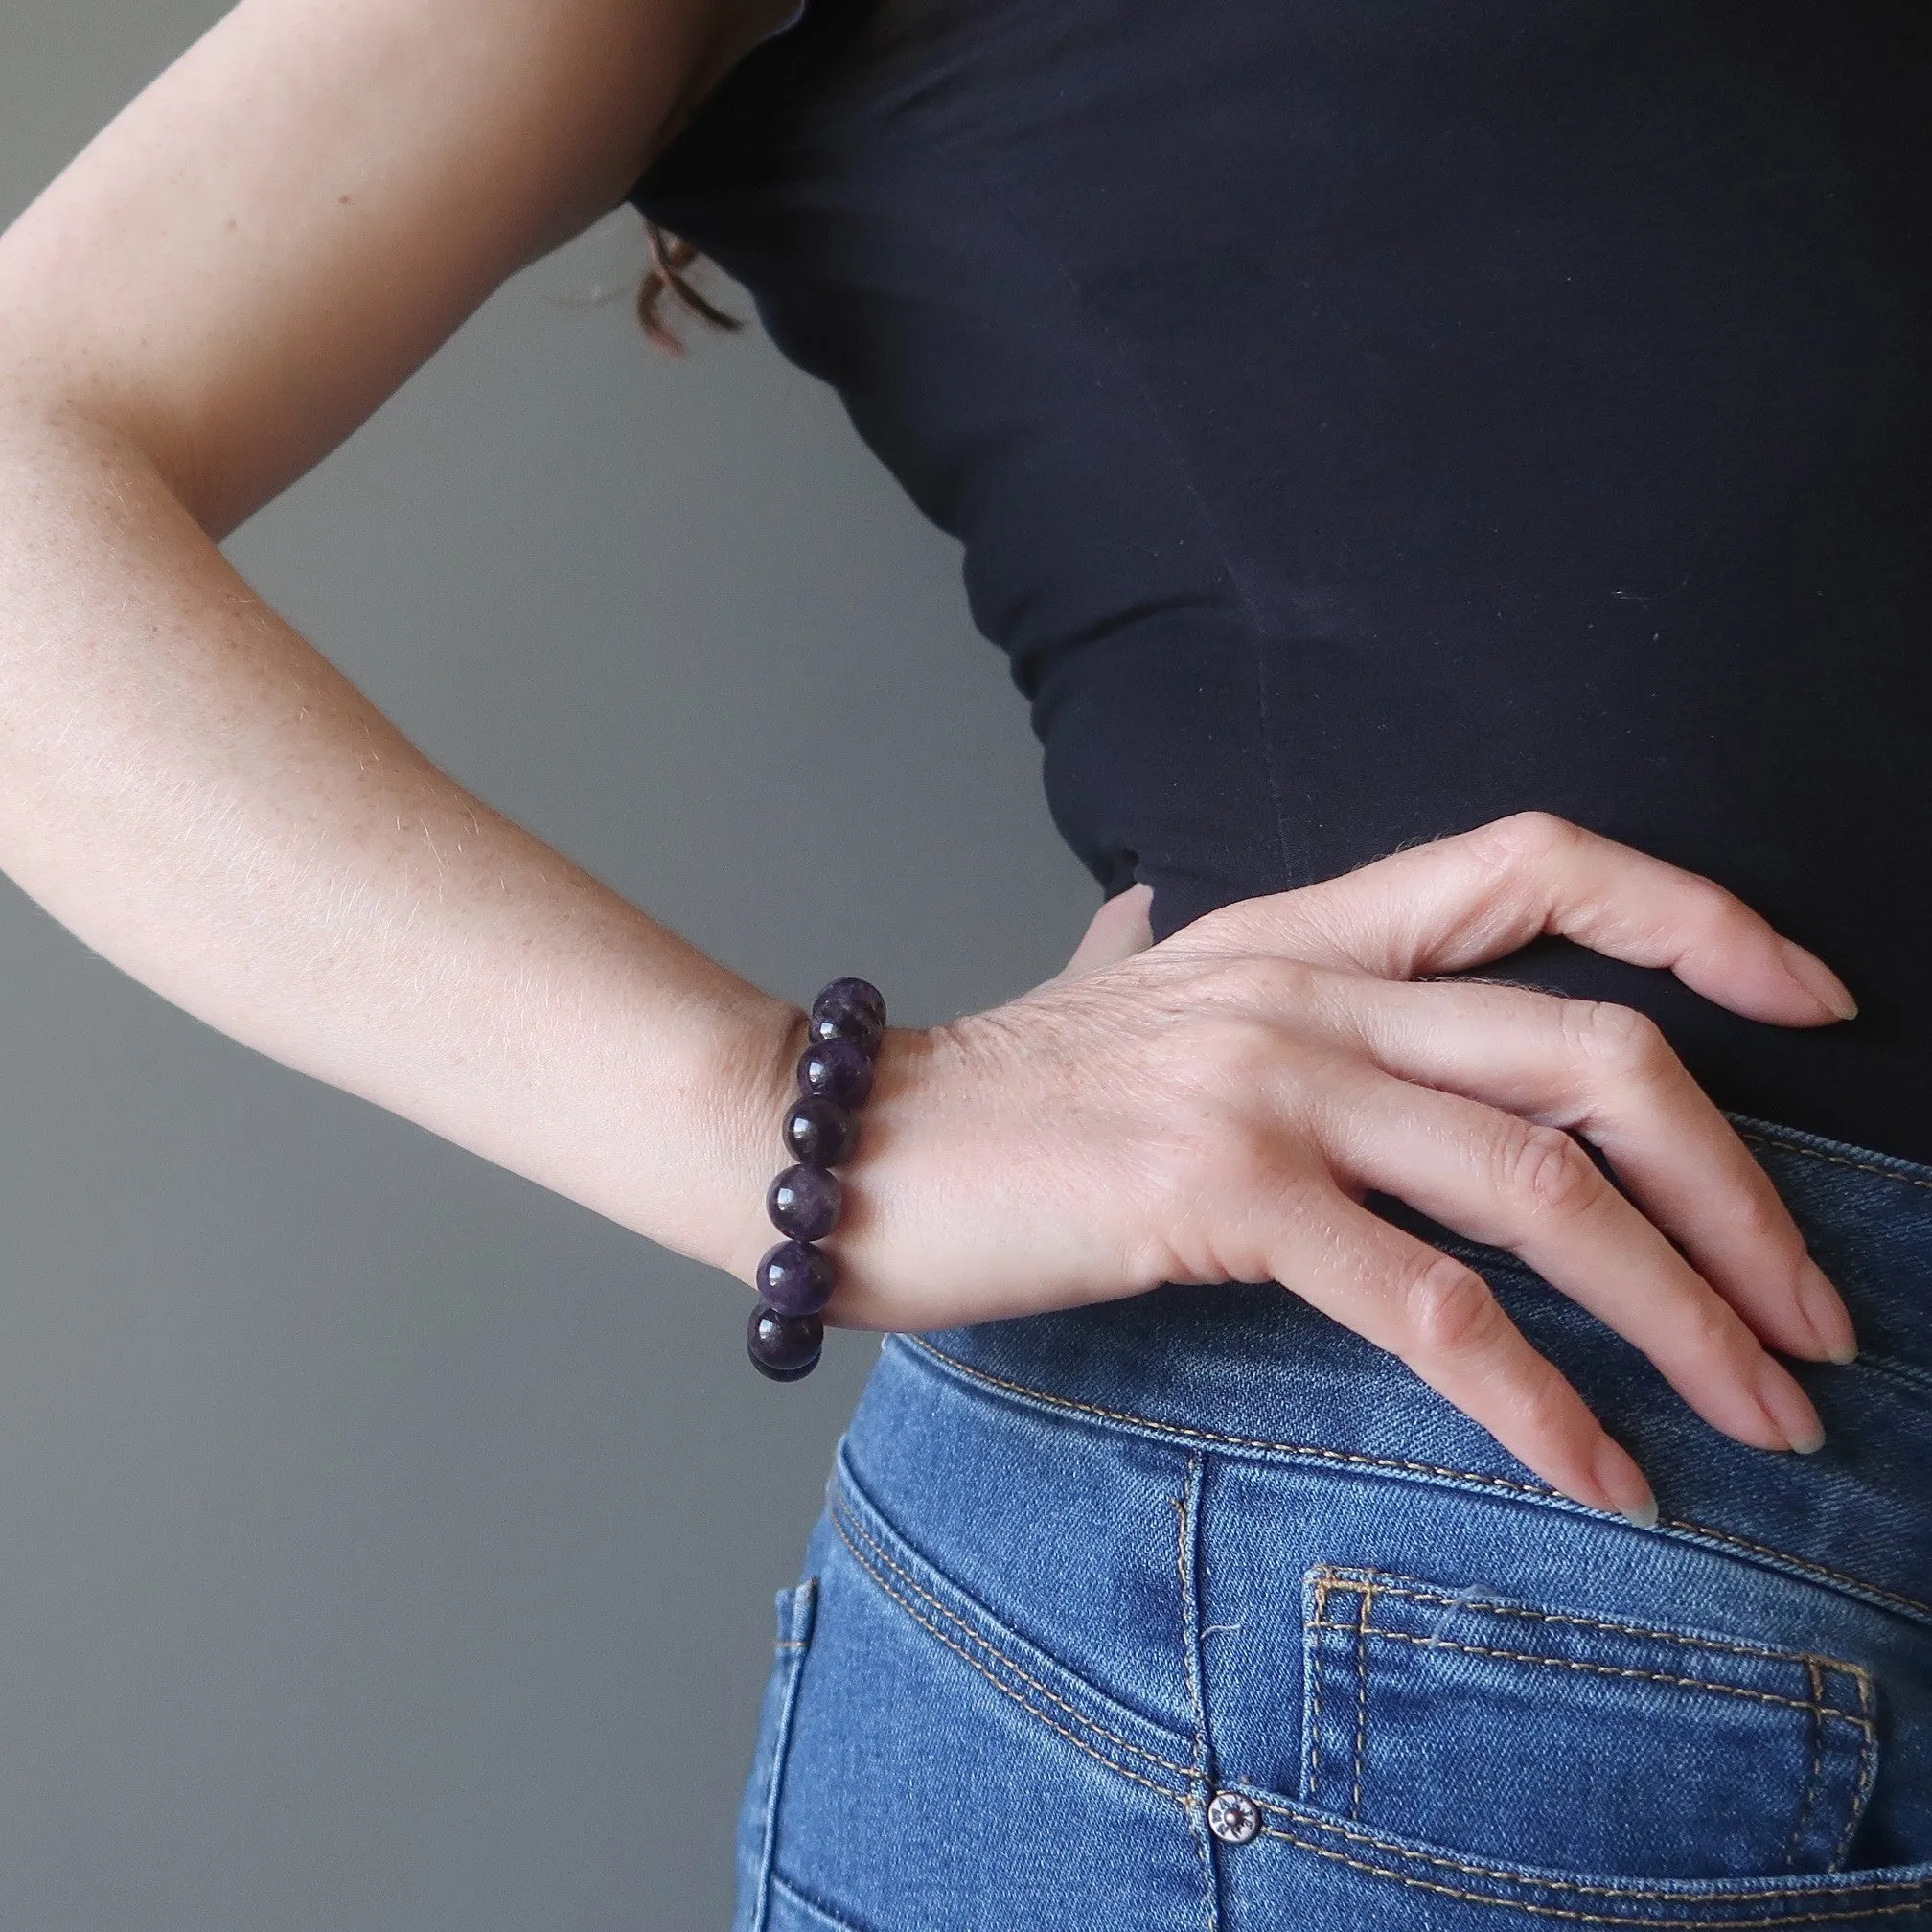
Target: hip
[[1197, 1610]]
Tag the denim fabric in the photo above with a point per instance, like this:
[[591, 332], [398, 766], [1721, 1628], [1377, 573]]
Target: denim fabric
[[1196, 1611]]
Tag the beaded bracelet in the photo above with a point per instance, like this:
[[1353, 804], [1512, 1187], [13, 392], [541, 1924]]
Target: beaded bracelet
[[785, 1334]]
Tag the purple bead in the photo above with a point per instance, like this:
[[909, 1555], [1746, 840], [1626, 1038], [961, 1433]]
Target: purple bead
[[860, 1028], [783, 1347], [851, 996], [804, 1203], [820, 1133], [795, 1277], [849, 1009], [836, 1070]]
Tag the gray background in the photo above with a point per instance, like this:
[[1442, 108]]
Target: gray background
[[383, 1540]]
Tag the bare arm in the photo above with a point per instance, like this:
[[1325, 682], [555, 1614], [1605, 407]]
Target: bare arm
[[228, 280]]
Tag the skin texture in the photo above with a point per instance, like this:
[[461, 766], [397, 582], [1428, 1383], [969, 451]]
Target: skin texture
[[227, 280]]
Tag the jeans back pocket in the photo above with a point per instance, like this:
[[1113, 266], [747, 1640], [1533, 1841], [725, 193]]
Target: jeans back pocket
[[1576, 1742]]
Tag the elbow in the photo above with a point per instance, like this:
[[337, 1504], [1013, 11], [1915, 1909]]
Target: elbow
[[41, 405]]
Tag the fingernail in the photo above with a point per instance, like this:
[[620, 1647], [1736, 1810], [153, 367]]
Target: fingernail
[[1621, 1479], [1819, 981], [1826, 1311], [1789, 1409]]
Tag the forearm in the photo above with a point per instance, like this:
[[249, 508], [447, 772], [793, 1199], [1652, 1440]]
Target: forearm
[[202, 799]]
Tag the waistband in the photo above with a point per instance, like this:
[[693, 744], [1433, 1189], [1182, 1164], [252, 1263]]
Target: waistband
[[1249, 1372]]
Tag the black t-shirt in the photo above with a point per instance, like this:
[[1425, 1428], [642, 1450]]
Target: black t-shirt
[[1367, 420]]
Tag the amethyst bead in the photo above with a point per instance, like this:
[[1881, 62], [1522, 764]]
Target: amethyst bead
[[850, 1009], [836, 1070], [820, 1133], [860, 1028], [783, 1347], [804, 1203], [845, 1030], [795, 1277], [851, 996]]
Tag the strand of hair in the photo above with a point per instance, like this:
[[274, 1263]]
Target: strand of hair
[[671, 258]]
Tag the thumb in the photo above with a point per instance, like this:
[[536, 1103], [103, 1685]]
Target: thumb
[[1119, 929]]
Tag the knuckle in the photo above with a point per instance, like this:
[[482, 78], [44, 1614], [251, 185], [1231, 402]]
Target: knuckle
[[1451, 1311], [1224, 1051], [1226, 1156], [1546, 1168], [1244, 1160], [1264, 981], [1616, 1040], [1524, 841]]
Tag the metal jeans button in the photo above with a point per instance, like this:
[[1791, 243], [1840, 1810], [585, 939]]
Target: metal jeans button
[[1233, 1818]]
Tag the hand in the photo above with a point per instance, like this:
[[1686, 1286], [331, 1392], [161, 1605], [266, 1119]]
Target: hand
[[1217, 1107]]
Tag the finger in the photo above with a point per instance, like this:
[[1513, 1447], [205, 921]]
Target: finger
[[1116, 932], [1607, 1072], [1482, 894], [1441, 1318], [1511, 1183]]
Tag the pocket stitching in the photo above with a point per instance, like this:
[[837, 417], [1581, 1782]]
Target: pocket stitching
[[1861, 1724], [1188, 1524], [1317, 1677], [1362, 1615], [800, 1609], [1656, 1892], [800, 1901], [1391, 1583], [1822, 1673], [1796, 1839], [1661, 1890], [1677, 1924], [1867, 1757], [1769, 1139], [1549, 1499], [839, 1513], [859, 1557]]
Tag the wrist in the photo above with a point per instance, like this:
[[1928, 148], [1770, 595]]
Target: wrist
[[764, 1091], [796, 1279], [754, 1081]]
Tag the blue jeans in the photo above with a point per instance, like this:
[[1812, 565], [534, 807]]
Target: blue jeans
[[1197, 1611]]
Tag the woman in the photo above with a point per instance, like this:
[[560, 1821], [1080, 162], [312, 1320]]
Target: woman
[[1362, 423]]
